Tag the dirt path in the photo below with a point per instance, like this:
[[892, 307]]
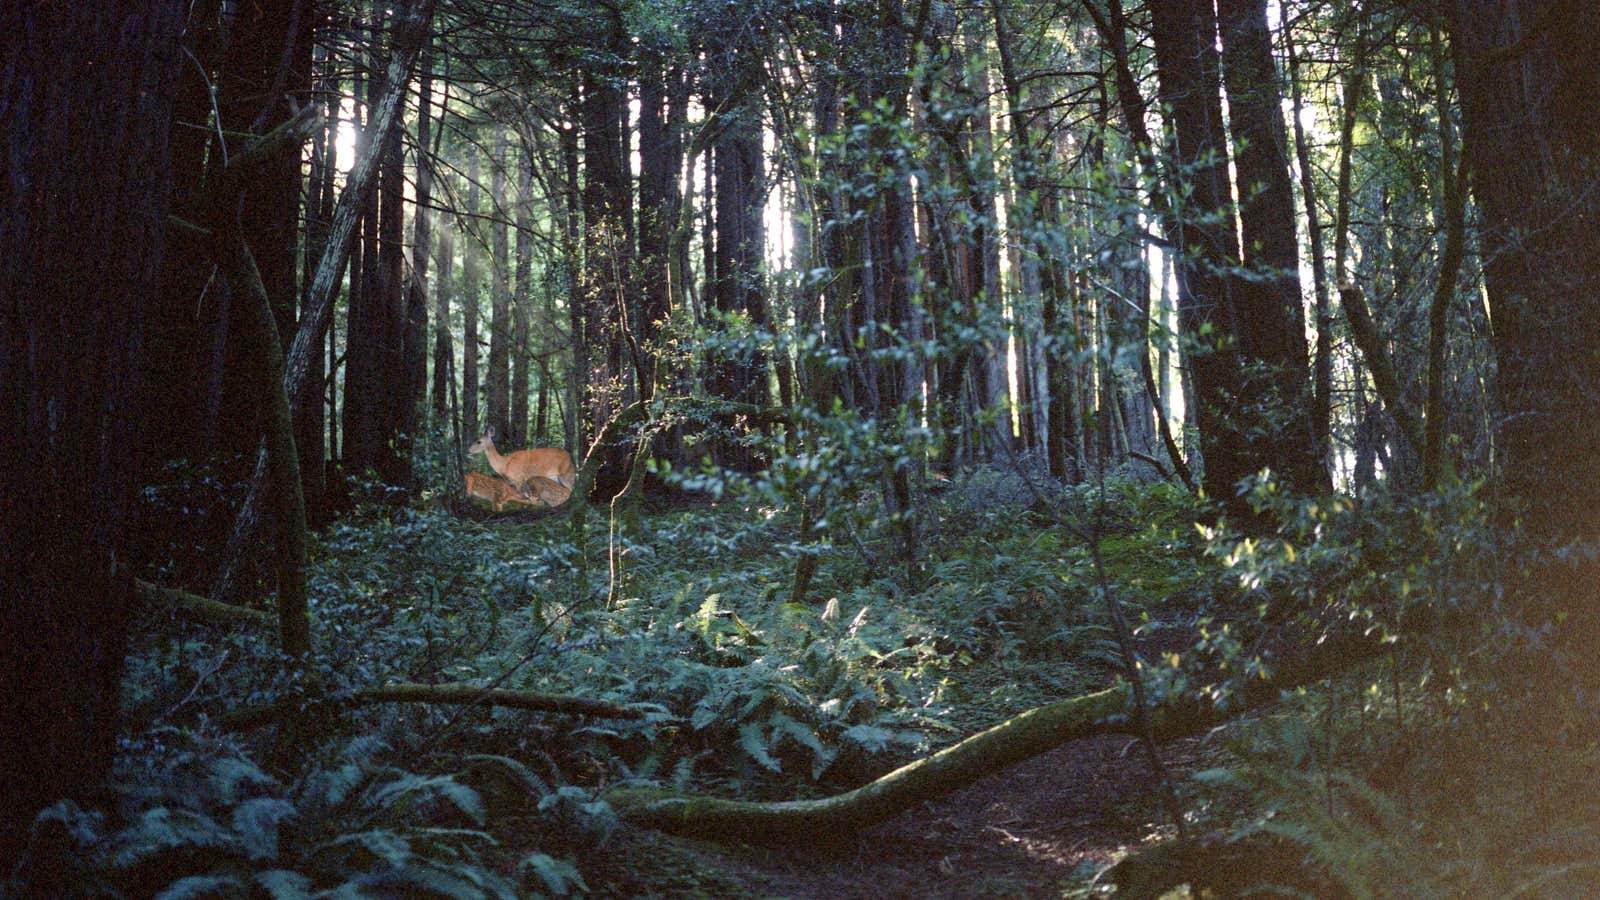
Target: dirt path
[[1035, 830]]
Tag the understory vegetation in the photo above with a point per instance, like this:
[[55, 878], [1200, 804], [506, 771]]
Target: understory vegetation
[[1394, 777]]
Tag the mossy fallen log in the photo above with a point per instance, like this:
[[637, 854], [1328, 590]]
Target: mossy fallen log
[[456, 694], [1023, 737], [199, 609]]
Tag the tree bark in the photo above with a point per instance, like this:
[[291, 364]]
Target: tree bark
[[1529, 88], [1187, 66], [1322, 366], [522, 303], [86, 97], [414, 349], [1271, 315], [453, 694], [471, 293], [607, 255], [498, 381]]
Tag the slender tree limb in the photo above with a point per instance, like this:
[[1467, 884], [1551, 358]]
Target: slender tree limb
[[453, 694], [286, 138], [1455, 217], [283, 461]]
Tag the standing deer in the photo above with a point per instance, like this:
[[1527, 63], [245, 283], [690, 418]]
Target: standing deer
[[523, 465]]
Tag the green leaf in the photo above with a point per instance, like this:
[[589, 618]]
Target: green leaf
[[559, 876], [201, 886], [870, 737], [163, 829], [256, 822], [283, 884], [755, 745], [523, 775], [442, 787]]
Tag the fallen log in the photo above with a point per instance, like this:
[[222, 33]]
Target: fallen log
[[1023, 737], [199, 609], [457, 694]]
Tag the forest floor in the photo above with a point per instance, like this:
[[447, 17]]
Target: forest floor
[[1042, 828]]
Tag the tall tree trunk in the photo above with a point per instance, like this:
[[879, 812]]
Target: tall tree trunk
[[1534, 156], [309, 417], [414, 349], [740, 375], [264, 77], [443, 344], [1271, 315], [390, 397], [1322, 367], [498, 382], [522, 303], [364, 394], [1187, 66], [313, 325], [1453, 214], [1113, 31], [186, 326], [660, 158], [471, 292], [86, 95], [571, 217], [607, 208]]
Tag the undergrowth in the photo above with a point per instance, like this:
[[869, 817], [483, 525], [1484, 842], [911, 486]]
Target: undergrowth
[[741, 691]]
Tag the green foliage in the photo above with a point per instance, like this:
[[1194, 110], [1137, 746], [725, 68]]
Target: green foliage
[[198, 818]]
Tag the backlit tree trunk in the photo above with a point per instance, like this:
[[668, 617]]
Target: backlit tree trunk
[[1271, 317]]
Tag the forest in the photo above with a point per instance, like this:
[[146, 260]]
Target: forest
[[799, 448]]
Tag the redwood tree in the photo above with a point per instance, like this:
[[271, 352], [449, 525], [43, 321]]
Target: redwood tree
[[86, 95], [1535, 162]]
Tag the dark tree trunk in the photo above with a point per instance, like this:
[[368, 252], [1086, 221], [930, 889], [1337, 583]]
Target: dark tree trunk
[[1529, 90], [523, 302], [186, 325], [365, 323], [571, 216], [740, 375], [1322, 365], [497, 383], [390, 397], [414, 349], [316, 320], [607, 208], [86, 94], [660, 158], [1271, 317], [443, 345], [471, 290], [1185, 43], [310, 417], [268, 60]]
